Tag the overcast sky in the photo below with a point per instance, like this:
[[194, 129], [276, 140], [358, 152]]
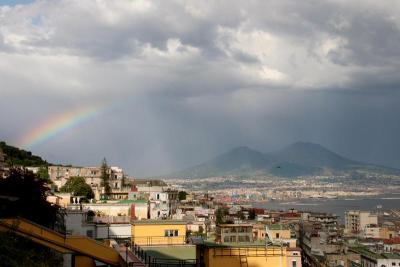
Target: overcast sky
[[181, 81]]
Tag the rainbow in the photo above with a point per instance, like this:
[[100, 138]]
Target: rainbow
[[56, 125]]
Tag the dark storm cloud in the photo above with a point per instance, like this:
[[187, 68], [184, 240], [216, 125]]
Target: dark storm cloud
[[181, 81]]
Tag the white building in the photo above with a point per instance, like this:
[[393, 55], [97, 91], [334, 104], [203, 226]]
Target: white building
[[60, 175], [356, 221], [372, 259], [79, 223], [371, 231]]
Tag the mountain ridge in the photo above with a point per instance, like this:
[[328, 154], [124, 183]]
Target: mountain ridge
[[298, 159]]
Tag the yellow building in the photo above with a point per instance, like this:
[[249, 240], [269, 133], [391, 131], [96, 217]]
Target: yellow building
[[277, 231], [210, 255], [387, 233], [280, 233], [158, 232], [259, 231]]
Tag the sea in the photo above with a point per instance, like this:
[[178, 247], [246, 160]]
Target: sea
[[378, 203]]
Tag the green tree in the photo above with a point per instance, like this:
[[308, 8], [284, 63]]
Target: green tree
[[20, 157], [105, 177], [43, 174], [220, 215], [25, 195], [123, 182], [201, 230], [241, 215], [252, 214], [78, 187], [182, 195]]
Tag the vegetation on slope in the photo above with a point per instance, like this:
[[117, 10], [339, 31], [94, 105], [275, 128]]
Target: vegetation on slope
[[20, 157]]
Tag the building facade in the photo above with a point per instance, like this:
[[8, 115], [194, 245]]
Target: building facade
[[158, 232], [234, 233], [356, 221], [210, 255]]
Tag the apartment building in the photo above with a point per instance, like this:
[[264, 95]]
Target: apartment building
[[371, 258], [158, 232], [357, 221], [280, 234], [320, 234], [215, 255], [234, 233], [60, 175], [163, 201]]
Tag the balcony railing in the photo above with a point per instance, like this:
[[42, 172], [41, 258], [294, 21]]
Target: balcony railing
[[152, 261], [249, 251], [111, 219], [158, 240]]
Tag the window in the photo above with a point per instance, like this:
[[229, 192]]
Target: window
[[277, 235], [393, 264], [171, 233], [294, 263], [89, 233], [244, 239]]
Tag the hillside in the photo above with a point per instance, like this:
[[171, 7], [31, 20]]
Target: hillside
[[298, 159], [19, 157]]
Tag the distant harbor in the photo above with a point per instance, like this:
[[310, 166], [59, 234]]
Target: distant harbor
[[337, 206]]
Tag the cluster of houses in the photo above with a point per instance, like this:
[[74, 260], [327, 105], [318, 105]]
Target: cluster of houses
[[150, 214]]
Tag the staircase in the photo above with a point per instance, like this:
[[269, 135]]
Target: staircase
[[243, 258]]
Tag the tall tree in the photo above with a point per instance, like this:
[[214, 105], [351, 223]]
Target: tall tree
[[78, 187], [43, 173], [105, 177], [182, 195], [221, 214], [24, 194]]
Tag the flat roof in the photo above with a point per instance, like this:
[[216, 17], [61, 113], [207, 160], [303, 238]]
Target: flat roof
[[235, 225], [368, 253], [129, 201], [254, 244], [155, 222], [278, 227]]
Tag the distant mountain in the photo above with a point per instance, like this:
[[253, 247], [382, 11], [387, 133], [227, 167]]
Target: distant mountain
[[309, 154], [240, 160], [19, 157], [298, 159]]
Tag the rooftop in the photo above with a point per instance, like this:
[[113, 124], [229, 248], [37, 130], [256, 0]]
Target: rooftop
[[172, 252], [149, 182], [235, 225], [278, 227], [370, 254], [395, 240], [212, 243], [160, 222], [129, 201]]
